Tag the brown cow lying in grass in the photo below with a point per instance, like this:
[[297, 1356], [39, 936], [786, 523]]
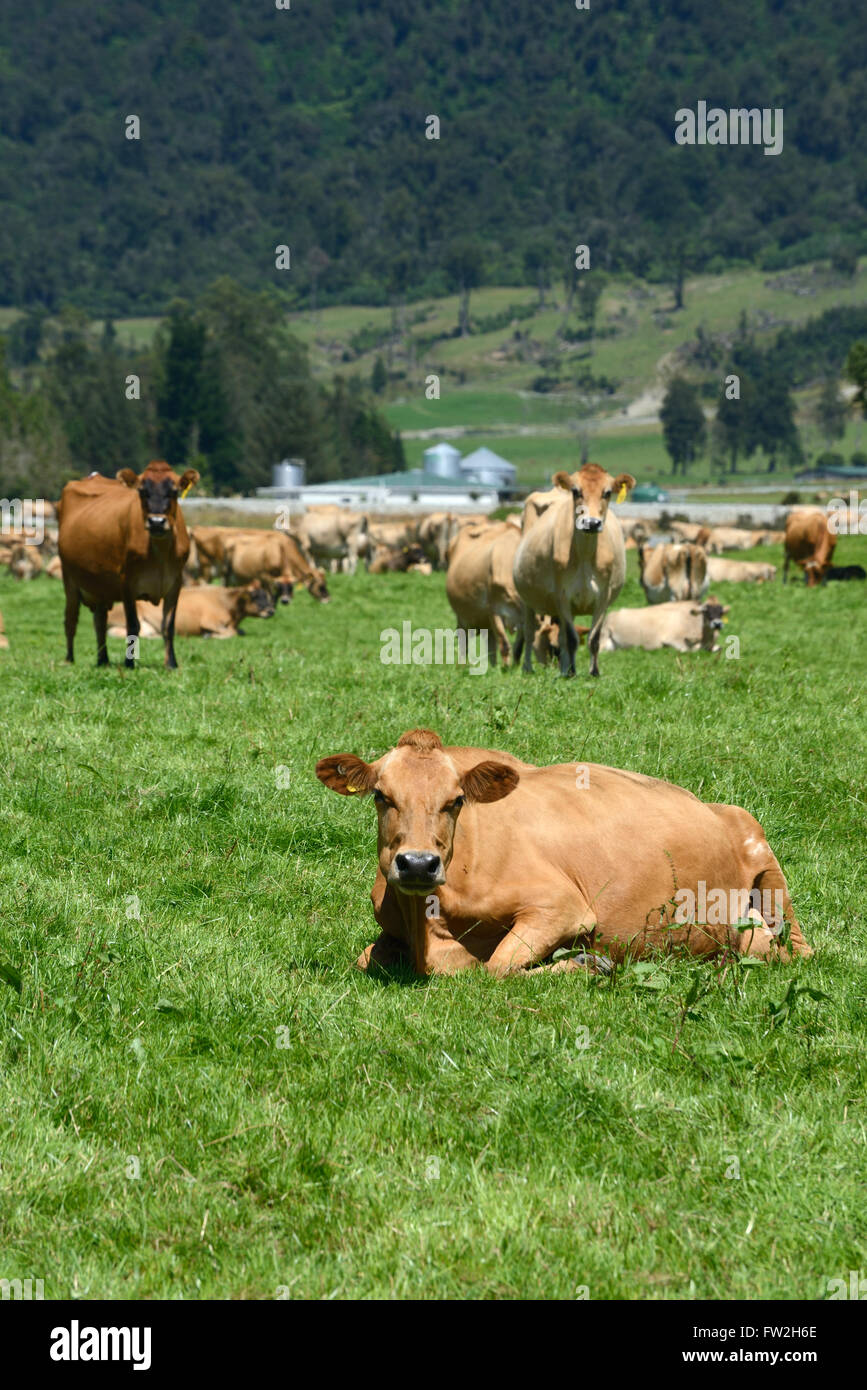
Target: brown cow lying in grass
[[484, 859], [203, 611]]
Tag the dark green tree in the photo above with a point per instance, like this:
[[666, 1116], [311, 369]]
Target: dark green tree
[[378, 377], [830, 411], [683, 424]]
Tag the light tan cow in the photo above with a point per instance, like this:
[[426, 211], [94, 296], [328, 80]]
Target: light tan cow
[[731, 538], [394, 534], [435, 533], [694, 531], [810, 542], [480, 586], [332, 536], [720, 569], [571, 558], [210, 549], [486, 860], [203, 611], [276, 560], [685, 626], [673, 572]]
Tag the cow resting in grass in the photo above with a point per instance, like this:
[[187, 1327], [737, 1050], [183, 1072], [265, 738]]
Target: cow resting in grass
[[122, 540], [571, 557], [486, 860], [685, 627], [721, 570], [203, 611]]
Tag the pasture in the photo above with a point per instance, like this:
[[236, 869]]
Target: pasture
[[201, 1098]]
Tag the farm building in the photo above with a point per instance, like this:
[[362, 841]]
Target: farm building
[[446, 480]]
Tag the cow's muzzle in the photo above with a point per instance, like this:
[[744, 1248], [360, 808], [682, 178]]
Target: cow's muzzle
[[157, 525], [416, 871], [588, 523]]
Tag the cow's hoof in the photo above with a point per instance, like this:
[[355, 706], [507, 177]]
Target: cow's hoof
[[600, 965]]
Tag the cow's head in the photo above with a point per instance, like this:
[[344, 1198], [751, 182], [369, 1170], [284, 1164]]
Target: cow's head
[[257, 602], [815, 571], [713, 615], [419, 794], [592, 491], [316, 586], [158, 488]]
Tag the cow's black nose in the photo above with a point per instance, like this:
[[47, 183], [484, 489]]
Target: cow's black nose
[[594, 523], [412, 865], [157, 523]]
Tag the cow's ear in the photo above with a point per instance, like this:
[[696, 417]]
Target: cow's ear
[[126, 475], [489, 781], [563, 480], [623, 485], [187, 480], [346, 774]]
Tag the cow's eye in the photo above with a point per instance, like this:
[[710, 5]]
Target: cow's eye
[[455, 805], [381, 799], [607, 493]]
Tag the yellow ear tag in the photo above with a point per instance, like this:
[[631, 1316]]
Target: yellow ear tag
[[352, 789], [185, 491], [725, 620], [621, 496]]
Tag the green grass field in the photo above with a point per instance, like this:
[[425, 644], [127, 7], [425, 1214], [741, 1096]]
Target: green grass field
[[201, 1098]]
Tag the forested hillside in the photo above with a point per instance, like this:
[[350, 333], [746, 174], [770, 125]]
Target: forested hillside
[[306, 127]]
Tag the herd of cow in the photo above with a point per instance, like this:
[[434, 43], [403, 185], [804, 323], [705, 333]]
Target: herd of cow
[[566, 555], [122, 548]]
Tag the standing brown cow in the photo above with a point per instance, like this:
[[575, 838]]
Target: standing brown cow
[[124, 539], [810, 543]]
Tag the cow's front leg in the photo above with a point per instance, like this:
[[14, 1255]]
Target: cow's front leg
[[594, 637], [529, 627], [100, 624], [133, 628], [568, 643], [384, 951], [537, 934], [170, 605]]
